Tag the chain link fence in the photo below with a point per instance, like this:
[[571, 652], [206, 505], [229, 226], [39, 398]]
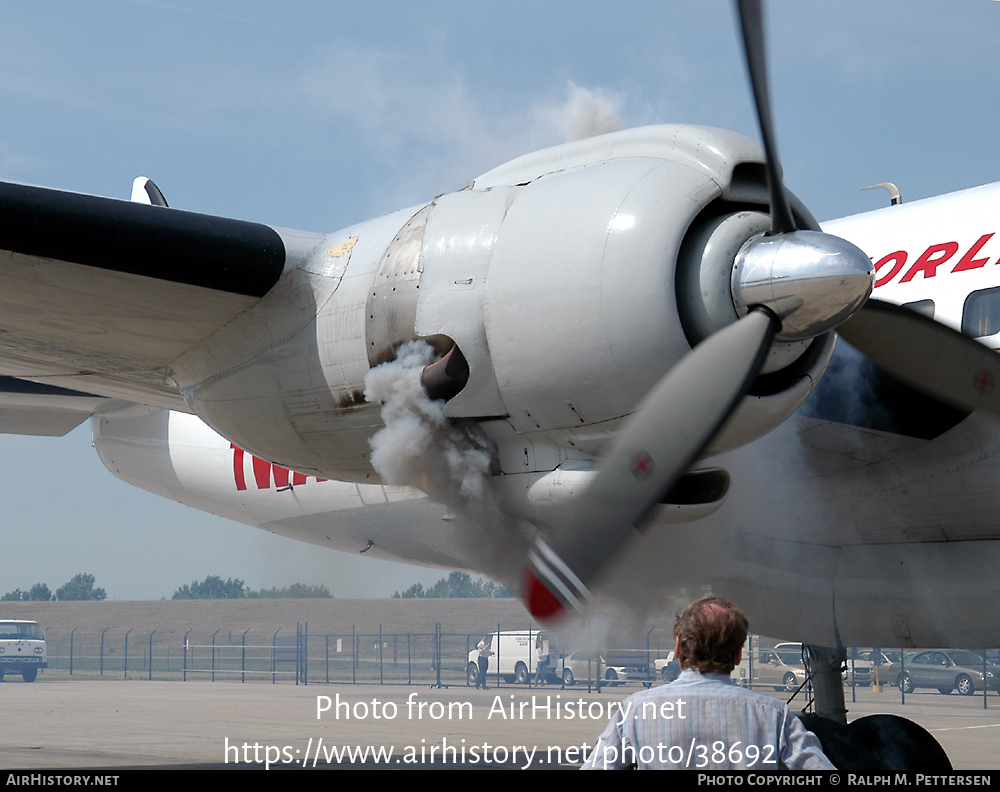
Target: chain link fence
[[955, 677]]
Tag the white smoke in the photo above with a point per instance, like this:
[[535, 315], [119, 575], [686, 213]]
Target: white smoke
[[421, 447], [586, 113], [418, 446]]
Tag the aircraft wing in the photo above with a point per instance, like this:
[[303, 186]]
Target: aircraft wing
[[100, 295], [31, 408]]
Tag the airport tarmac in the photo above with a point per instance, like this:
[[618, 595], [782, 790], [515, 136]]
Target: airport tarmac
[[117, 724]]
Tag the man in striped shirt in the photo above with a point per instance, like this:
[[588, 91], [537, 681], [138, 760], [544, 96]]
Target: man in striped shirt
[[703, 720]]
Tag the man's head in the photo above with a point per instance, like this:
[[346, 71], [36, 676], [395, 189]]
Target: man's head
[[710, 633]]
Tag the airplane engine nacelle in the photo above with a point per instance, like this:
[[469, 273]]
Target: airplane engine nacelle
[[571, 288]]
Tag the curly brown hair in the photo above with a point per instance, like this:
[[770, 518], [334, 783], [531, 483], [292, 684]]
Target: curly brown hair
[[710, 633]]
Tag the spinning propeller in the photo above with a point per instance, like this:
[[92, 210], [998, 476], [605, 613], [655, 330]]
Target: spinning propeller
[[790, 284]]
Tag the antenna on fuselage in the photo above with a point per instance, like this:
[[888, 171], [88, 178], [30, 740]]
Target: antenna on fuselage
[[890, 188]]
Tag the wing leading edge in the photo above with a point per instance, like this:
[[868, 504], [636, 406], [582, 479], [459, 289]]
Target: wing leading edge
[[123, 236], [101, 295]]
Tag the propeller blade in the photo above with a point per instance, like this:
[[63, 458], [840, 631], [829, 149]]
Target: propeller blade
[[933, 358], [657, 444], [752, 25]]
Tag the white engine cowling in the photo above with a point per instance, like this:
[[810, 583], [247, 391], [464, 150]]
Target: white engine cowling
[[561, 277]]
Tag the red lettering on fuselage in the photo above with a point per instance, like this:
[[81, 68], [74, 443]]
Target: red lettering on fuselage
[[967, 261], [241, 481], [929, 261], [263, 471], [898, 259]]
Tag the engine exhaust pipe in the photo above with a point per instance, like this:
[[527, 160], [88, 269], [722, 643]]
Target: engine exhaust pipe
[[445, 378]]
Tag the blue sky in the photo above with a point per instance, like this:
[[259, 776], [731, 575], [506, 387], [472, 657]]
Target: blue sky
[[317, 115]]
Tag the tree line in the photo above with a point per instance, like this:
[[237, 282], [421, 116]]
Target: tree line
[[214, 587], [457, 584], [81, 587]]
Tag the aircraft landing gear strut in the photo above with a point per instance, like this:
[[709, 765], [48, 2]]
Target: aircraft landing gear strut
[[825, 663]]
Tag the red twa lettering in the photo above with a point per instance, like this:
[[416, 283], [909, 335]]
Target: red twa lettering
[[241, 481], [967, 262], [262, 472], [930, 259]]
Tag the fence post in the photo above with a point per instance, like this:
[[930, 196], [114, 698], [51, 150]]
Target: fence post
[[649, 657], [274, 655], [305, 655], [381, 678], [151, 655], [125, 661], [532, 656], [243, 671], [854, 654], [436, 653], [902, 673], [354, 657], [102, 649], [71, 649], [185, 668], [328, 659], [213, 653]]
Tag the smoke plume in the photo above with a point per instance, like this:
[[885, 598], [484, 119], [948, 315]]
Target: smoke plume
[[421, 447], [586, 113]]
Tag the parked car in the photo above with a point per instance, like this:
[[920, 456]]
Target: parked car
[[947, 670], [790, 652], [589, 665], [860, 672], [667, 668], [864, 668], [780, 667]]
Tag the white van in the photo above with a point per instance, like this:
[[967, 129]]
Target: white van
[[514, 656], [22, 649]]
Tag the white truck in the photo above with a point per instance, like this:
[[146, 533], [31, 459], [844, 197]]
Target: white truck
[[22, 649], [514, 656]]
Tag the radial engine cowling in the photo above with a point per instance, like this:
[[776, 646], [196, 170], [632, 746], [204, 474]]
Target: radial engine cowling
[[604, 274]]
